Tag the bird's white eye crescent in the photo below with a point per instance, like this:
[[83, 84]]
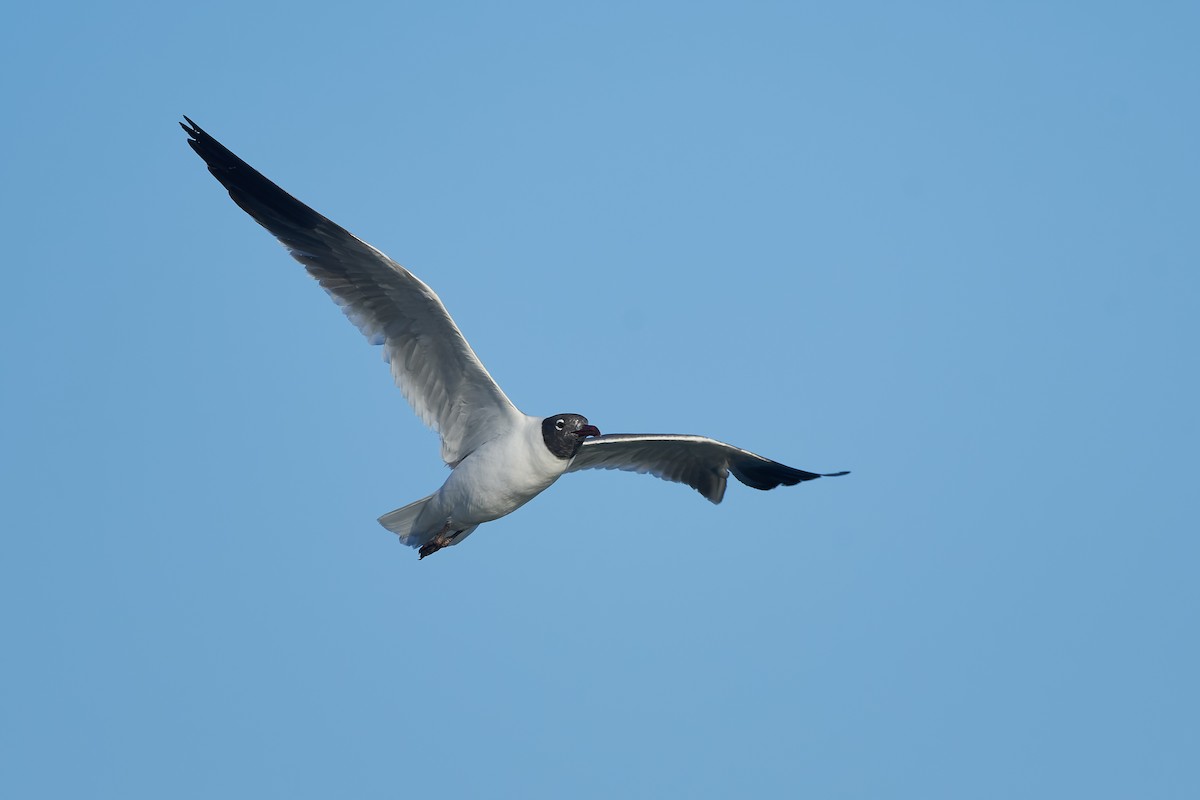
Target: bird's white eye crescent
[[559, 425]]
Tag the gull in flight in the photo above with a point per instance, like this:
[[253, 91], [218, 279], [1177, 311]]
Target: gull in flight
[[500, 458]]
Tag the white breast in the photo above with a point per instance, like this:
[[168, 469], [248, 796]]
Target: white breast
[[500, 477]]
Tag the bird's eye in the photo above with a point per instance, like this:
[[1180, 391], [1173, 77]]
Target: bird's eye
[[559, 425]]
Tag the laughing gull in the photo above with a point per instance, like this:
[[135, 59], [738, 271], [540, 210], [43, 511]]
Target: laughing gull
[[500, 458]]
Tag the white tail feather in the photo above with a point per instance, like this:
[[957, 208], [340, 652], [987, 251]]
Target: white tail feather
[[402, 520]]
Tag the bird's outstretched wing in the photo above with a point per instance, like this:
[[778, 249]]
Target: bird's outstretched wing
[[700, 462], [431, 362]]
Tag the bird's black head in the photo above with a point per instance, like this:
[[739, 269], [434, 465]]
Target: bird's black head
[[564, 434]]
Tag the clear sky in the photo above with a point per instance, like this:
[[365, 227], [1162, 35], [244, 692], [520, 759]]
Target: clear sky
[[949, 246]]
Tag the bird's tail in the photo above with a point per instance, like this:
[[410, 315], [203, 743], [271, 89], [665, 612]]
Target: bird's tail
[[402, 520]]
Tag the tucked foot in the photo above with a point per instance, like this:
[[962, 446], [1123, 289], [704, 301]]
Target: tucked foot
[[432, 546], [437, 543]]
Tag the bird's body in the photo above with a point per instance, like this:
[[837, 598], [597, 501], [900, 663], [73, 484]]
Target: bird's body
[[500, 458], [493, 481], [500, 477]]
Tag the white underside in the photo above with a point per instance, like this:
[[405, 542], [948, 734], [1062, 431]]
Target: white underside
[[495, 480]]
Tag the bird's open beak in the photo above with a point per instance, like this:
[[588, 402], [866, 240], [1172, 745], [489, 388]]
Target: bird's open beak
[[587, 430]]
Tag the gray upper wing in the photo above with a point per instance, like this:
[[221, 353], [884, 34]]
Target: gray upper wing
[[431, 361], [700, 462]]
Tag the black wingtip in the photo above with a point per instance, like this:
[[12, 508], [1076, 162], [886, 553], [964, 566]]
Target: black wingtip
[[272, 207], [835, 474], [191, 128]]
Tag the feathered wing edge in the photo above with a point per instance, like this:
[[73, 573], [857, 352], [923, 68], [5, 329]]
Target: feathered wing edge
[[431, 362], [697, 461]]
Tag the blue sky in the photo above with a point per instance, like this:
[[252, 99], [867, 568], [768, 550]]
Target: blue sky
[[949, 246]]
